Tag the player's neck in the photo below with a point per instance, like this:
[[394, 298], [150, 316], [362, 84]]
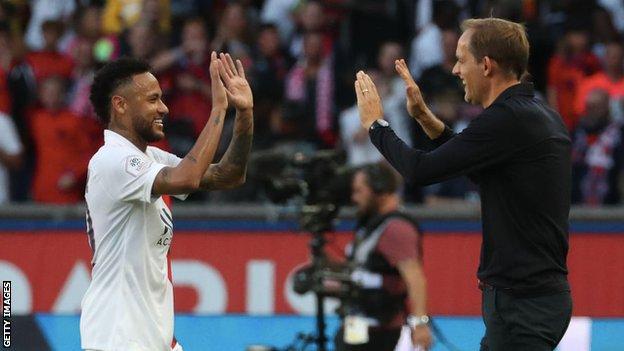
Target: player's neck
[[128, 134]]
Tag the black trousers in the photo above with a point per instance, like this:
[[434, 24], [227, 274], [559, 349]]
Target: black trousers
[[378, 340], [524, 323]]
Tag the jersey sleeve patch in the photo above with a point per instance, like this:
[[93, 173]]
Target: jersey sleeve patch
[[136, 165]]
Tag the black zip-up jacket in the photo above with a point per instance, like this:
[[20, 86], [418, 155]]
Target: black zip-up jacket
[[518, 152]]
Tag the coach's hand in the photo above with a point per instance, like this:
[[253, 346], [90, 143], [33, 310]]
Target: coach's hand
[[368, 100], [236, 85], [415, 103], [219, 97]]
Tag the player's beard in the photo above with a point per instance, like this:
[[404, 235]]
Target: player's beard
[[145, 129]]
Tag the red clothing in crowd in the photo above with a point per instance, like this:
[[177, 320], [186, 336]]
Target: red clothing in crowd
[[5, 98], [62, 147], [191, 105], [47, 63], [597, 81], [564, 76]]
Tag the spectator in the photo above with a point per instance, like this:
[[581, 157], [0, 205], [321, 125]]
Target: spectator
[[6, 63], [310, 95], [120, 15], [142, 41], [597, 154], [450, 108], [88, 28], [270, 66], [426, 48], [611, 79], [440, 77], [280, 13], [572, 62], [46, 10], [186, 84], [310, 18], [10, 154], [50, 61], [61, 147], [392, 90], [234, 33]]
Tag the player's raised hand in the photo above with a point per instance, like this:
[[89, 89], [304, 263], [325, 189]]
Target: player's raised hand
[[415, 104], [368, 100], [219, 96], [236, 85]]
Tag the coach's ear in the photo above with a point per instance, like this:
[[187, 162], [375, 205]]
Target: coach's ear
[[119, 105]]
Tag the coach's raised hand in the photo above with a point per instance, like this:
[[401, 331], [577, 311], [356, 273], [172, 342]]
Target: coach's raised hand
[[368, 100], [416, 106], [237, 87]]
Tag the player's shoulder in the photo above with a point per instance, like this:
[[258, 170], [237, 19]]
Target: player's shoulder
[[118, 159], [156, 152]]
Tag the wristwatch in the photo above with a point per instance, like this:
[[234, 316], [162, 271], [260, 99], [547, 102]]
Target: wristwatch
[[417, 321], [380, 123]]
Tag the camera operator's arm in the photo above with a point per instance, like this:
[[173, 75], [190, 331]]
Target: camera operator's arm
[[399, 244], [411, 271]]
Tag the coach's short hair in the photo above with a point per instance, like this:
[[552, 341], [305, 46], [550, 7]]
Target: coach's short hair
[[108, 79], [503, 41]]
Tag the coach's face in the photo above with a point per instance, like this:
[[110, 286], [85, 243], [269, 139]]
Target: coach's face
[[146, 108], [470, 70]]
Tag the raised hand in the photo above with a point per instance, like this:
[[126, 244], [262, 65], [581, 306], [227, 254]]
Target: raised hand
[[368, 100], [236, 86], [415, 104], [219, 97]]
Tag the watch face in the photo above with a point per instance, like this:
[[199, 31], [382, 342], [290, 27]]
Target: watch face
[[383, 122]]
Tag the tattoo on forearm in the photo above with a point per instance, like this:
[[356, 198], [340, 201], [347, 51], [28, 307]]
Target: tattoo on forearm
[[165, 174], [216, 120], [191, 158], [233, 165]]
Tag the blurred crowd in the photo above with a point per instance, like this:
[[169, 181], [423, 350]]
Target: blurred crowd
[[300, 57]]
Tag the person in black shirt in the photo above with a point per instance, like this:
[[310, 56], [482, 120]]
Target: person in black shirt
[[518, 152]]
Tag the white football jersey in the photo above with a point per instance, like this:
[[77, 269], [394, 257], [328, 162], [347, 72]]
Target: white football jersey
[[129, 303]]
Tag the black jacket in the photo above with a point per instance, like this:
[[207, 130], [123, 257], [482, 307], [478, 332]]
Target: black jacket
[[518, 152]]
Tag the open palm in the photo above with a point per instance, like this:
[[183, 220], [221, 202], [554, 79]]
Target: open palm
[[236, 85]]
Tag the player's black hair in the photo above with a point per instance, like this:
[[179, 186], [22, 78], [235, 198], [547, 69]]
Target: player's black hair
[[108, 79]]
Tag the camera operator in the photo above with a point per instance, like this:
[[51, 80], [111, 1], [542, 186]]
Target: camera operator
[[387, 256]]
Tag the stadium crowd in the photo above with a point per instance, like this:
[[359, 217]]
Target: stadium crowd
[[301, 56]]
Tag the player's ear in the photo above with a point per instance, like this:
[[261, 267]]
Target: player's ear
[[119, 104]]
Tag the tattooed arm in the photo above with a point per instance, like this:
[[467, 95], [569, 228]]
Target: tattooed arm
[[231, 171], [187, 175]]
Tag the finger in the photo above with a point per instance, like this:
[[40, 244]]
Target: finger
[[231, 64], [358, 90], [371, 86], [364, 85], [223, 72], [229, 95], [225, 65], [214, 67], [404, 72], [241, 70]]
